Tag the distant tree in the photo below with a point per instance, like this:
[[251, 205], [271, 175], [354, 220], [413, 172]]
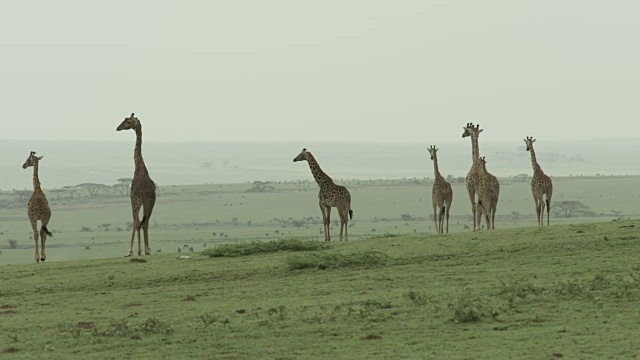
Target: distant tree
[[105, 226], [522, 177], [123, 186], [571, 208], [261, 186], [406, 217], [85, 229], [71, 190], [22, 196], [298, 223], [13, 244], [93, 188], [57, 192], [234, 221]]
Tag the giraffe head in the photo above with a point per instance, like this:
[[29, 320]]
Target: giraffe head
[[432, 150], [303, 156], [31, 160], [131, 122], [529, 142], [471, 130], [483, 163]]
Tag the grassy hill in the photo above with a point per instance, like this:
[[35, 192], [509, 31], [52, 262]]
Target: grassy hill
[[564, 291]]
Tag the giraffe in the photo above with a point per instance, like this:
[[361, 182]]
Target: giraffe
[[540, 184], [330, 195], [441, 195], [473, 176], [488, 192], [143, 189], [38, 207]]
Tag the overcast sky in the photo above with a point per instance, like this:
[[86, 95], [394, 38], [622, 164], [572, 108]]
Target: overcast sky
[[330, 70]]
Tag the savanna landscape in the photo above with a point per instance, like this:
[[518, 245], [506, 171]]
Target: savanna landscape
[[262, 117], [260, 281]]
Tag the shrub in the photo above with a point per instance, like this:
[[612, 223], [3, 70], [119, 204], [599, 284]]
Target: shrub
[[263, 247]]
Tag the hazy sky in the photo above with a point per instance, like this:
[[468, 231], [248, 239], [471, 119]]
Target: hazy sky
[[330, 70]]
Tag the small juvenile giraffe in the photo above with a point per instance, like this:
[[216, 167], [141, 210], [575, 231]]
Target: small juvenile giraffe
[[143, 189], [441, 195], [488, 192], [330, 195], [540, 184], [38, 207]]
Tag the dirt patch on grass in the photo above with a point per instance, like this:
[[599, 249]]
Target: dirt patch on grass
[[136, 260], [10, 350], [7, 307], [189, 298]]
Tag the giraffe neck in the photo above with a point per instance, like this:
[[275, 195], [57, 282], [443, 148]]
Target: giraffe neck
[[140, 168], [321, 178], [475, 150], [36, 180], [534, 162], [435, 169]]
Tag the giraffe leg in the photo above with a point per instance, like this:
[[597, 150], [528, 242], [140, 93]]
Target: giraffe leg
[[472, 198], [146, 210], [344, 219], [327, 224], [43, 235], [136, 226], [494, 207], [549, 192], [34, 226], [448, 205], [43, 239], [435, 217], [441, 219], [324, 221], [478, 216], [145, 229], [535, 199]]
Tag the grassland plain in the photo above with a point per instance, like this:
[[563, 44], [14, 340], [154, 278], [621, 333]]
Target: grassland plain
[[562, 291], [208, 214]]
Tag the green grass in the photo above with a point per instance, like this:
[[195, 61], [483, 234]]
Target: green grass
[[565, 290]]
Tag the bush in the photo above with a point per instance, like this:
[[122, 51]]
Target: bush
[[263, 247]]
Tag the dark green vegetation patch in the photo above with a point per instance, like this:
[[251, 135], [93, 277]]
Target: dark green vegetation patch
[[264, 247], [324, 261]]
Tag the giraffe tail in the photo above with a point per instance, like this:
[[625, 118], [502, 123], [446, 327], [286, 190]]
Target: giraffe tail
[[350, 214], [144, 218], [44, 228]]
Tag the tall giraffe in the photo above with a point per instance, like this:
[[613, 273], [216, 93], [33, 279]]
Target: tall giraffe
[[488, 192], [143, 189], [473, 176], [330, 195], [38, 207], [441, 195], [540, 184]]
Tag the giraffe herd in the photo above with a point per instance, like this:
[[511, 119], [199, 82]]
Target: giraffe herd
[[479, 182]]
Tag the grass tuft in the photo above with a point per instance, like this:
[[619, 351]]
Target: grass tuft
[[264, 247]]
